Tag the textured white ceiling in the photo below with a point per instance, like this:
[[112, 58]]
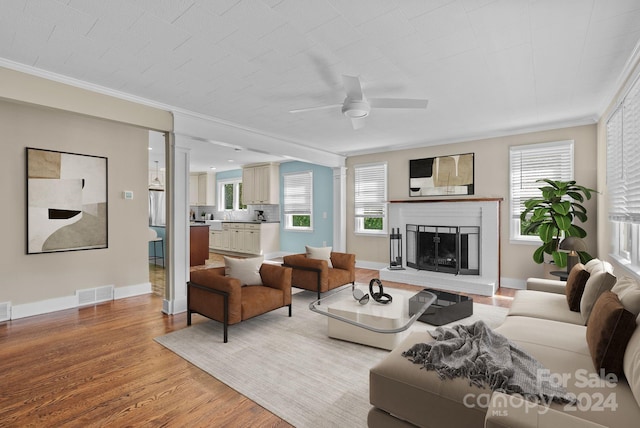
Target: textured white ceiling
[[487, 67]]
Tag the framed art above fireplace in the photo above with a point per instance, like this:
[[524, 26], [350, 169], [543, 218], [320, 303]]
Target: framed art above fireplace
[[442, 175]]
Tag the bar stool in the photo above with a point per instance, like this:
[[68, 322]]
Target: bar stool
[[154, 238]]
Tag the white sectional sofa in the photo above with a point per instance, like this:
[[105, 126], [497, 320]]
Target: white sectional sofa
[[540, 322]]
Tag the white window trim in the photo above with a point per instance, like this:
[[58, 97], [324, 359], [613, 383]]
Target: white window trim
[[236, 194], [514, 222], [288, 217], [359, 220], [628, 260]]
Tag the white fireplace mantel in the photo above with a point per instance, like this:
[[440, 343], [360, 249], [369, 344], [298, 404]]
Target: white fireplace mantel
[[461, 212]]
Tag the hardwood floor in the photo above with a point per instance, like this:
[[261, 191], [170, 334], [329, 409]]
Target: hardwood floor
[[99, 366]]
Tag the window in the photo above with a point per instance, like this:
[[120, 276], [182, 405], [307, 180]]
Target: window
[[623, 178], [528, 164], [298, 200], [230, 195], [371, 198]]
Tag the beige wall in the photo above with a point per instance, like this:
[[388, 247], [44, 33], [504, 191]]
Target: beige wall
[[23, 87], [491, 180], [31, 278]]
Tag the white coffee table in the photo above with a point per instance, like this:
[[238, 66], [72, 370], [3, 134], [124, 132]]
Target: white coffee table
[[373, 324]]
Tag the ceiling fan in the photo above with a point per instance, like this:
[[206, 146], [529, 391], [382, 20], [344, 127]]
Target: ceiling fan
[[356, 106]]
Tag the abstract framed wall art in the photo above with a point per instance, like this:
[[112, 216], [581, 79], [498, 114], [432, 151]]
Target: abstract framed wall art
[[66, 201], [442, 175]]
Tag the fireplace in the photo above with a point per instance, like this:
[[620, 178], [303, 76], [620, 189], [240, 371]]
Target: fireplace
[[448, 249], [473, 225]]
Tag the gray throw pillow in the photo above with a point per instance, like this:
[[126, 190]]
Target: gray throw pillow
[[600, 280]]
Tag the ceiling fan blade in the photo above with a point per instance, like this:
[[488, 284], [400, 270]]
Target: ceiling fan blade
[[353, 87], [302, 110], [357, 123], [398, 103]]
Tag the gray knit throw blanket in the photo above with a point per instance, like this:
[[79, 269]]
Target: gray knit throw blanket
[[486, 358]]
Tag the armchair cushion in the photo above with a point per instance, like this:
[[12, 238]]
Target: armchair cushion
[[245, 270], [277, 277], [306, 271], [321, 253]]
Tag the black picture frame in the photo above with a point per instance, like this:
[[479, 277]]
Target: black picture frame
[[451, 175], [66, 201]]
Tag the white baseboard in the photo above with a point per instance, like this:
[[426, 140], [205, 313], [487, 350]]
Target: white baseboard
[[364, 264], [172, 307], [515, 283], [69, 302], [132, 290], [43, 307]]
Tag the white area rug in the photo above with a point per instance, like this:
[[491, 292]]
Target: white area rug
[[289, 365]]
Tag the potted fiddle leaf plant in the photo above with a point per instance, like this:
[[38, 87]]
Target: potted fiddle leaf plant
[[552, 217]]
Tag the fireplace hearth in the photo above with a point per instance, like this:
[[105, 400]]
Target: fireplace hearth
[[447, 249]]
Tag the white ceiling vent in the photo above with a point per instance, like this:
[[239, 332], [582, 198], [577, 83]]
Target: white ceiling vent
[[94, 295], [5, 311]]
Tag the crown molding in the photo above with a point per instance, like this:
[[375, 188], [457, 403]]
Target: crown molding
[[549, 126], [629, 74], [214, 127]]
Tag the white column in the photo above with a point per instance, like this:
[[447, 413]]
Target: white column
[[340, 209], [177, 228]]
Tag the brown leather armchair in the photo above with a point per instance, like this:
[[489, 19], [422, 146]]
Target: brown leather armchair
[[316, 275], [224, 299]]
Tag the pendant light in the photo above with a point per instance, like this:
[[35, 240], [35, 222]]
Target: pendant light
[[156, 181]]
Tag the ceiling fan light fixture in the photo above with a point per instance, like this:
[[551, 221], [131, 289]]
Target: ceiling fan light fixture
[[356, 108]]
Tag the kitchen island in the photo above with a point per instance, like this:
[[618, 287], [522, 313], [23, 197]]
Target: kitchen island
[[199, 237], [244, 237]]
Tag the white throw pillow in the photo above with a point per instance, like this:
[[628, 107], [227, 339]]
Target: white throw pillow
[[597, 265], [246, 270], [321, 253], [628, 291], [631, 364], [591, 264]]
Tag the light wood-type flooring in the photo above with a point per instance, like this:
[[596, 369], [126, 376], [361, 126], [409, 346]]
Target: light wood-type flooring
[[99, 366]]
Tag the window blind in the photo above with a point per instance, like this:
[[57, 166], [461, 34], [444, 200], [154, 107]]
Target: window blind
[[532, 162], [298, 194], [371, 190], [623, 159], [615, 177]]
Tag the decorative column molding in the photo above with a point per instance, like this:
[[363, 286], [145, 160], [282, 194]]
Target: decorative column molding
[[340, 209], [177, 228]]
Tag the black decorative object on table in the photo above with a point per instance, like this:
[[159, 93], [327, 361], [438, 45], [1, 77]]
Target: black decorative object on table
[[380, 296], [448, 307]]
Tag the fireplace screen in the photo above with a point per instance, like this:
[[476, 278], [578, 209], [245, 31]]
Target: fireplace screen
[[450, 249]]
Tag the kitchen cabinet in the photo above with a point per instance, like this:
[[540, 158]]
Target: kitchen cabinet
[[202, 189], [219, 239], [235, 238], [246, 238], [193, 189], [252, 239], [260, 184]]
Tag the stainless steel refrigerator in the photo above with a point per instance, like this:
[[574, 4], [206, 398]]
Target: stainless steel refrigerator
[[157, 208]]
